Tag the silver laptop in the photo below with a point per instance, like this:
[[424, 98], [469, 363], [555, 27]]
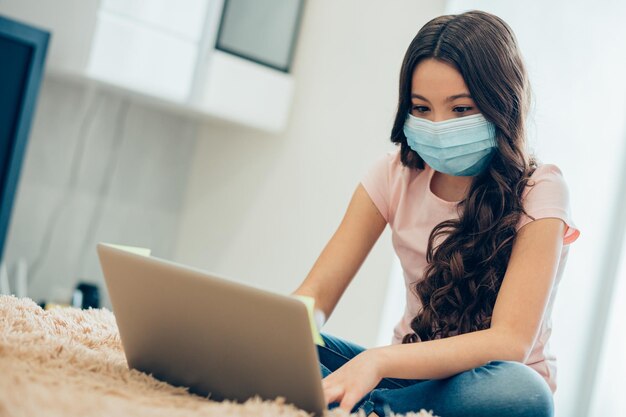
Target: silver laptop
[[222, 339]]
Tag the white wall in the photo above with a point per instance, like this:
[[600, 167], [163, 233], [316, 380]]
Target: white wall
[[97, 168], [259, 208], [577, 61]]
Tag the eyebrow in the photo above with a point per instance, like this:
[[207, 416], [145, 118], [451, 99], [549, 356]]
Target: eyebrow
[[454, 97]]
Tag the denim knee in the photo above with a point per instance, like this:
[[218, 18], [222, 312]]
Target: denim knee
[[499, 388], [515, 388]]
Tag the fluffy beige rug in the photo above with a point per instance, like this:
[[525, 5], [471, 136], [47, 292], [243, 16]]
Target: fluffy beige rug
[[68, 362]]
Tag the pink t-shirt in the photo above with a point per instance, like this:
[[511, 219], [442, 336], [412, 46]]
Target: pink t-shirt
[[404, 198]]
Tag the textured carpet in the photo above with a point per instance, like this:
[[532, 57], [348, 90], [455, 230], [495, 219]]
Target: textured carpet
[[69, 362]]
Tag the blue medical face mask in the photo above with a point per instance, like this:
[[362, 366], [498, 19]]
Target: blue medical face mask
[[462, 146]]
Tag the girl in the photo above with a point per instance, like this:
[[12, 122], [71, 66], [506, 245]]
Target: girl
[[481, 230]]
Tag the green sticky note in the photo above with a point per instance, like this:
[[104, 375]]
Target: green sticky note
[[132, 249], [309, 302]]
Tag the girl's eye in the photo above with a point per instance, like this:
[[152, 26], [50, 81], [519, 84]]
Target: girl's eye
[[463, 109], [420, 109]]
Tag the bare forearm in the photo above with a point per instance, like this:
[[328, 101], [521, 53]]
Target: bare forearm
[[344, 253], [332, 272], [441, 358], [327, 279]]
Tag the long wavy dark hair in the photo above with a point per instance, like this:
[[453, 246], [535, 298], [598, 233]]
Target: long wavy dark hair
[[467, 257]]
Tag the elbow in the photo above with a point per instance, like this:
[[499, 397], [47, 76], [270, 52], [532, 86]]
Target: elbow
[[526, 352], [512, 347], [522, 352], [519, 349], [513, 352]]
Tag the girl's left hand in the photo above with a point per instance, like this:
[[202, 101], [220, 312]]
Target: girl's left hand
[[353, 380]]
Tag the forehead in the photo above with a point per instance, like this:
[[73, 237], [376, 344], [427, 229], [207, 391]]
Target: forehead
[[435, 79]]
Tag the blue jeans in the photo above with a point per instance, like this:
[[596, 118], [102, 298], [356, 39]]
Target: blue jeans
[[499, 388]]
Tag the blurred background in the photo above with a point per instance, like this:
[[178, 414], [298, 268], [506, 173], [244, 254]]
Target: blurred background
[[229, 135]]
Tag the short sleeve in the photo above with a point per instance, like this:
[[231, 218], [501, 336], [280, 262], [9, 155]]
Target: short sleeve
[[547, 196], [376, 183]]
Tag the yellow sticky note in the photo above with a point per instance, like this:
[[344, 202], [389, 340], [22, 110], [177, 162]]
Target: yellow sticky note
[[310, 304], [132, 249]]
